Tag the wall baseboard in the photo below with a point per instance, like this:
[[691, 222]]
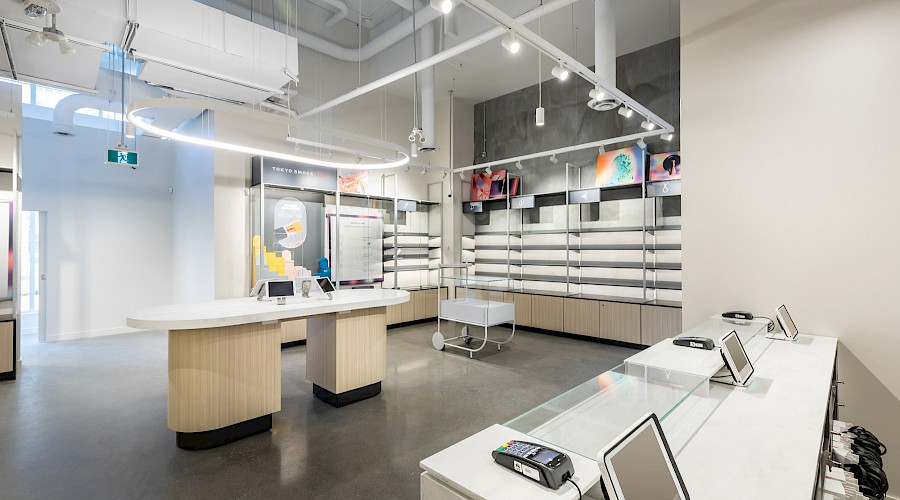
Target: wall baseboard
[[90, 334]]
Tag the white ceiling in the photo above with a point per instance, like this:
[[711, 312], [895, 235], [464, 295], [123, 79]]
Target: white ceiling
[[482, 73]]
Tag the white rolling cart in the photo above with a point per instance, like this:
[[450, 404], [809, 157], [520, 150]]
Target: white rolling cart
[[473, 308]]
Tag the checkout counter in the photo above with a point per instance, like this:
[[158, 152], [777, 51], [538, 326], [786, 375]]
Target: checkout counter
[[225, 358], [768, 439]]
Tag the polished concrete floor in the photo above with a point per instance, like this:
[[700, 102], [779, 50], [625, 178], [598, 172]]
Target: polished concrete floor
[[87, 419]]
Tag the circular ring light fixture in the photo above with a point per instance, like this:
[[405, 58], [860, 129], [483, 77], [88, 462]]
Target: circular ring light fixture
[[169, 102]]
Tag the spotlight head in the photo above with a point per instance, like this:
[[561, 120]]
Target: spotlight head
[[648, 125], [560, 71], [358, 159], [36, 38], [596, 94], [462, 176], [412, 136], [601, 150], [641, 144], [553, 159], [667, 137], [488, 171], [511, 43], [626, 111], [442, 6], [519, 164], [65, 48], [330, 154], [444, 175], [539, 116], [423, 171]]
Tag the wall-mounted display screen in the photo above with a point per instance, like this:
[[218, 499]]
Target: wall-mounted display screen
[[494, 185], [665, 166], [621, 167]]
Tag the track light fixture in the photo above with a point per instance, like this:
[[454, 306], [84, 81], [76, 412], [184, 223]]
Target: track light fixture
[[36, 38], [596, 94], [539, 116], [641, 144], [444, 175], [330, 154], [511, 43], [54, 35], [553, 159], [601, 150], [358, 159], [462, 176], [519, 164], [488, 171], [648, 125], [442, 6], [667, 137], [423, 171], [626, 111], [560, 71]]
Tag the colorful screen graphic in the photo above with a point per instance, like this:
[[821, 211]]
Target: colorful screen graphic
[[620, 167], [665, 166], [353, 181], [494, 185]]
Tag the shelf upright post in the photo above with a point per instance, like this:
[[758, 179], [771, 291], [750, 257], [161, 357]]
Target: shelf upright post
[[644, 226], [568, 166], [396, 229], [335, 259]]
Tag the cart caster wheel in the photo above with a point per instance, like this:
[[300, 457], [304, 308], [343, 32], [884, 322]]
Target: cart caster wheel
[[468, 340], [437, 340]]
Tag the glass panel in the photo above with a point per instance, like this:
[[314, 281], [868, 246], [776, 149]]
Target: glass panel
[[587, 418], [361, 236]]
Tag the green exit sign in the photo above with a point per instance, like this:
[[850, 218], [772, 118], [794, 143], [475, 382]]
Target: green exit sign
[[122, 157]]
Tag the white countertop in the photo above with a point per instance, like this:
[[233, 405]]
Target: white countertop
[[230, 312], [763, 440], [469, 467]]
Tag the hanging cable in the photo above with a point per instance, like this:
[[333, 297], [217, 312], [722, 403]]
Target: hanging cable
[[416, 76]]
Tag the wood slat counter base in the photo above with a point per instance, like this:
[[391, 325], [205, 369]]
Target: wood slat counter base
[[346, 355], [224, 383], [8, 350]]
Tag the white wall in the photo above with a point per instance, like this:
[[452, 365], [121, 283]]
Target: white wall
[[108, 228], [788, 124], [193, 222]]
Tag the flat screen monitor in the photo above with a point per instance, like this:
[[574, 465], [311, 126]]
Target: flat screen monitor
[[785, 322], [638, 465], [280, 288], [736, 358]]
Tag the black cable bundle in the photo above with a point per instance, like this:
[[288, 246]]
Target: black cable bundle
[[869, 472]]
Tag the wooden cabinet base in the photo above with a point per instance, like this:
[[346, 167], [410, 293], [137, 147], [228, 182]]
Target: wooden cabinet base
[[220, 378], [346, 352], [348, 397], [211, 439]]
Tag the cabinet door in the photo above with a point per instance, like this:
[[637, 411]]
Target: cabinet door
[[394, 314], [7, 339], [581, 317], [293, 330], [523, 308], [408, 309], [658, 323], [620, 322], [547, 312], [428, 304]]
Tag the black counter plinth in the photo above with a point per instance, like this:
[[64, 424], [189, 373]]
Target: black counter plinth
[[349, 397], [218, 437]]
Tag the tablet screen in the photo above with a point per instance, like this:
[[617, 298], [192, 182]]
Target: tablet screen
[[325, 285], [641, 469], [280, 288], [789, 328], [733, 344]]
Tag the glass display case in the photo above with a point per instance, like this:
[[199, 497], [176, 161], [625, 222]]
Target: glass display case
[[588, 417]]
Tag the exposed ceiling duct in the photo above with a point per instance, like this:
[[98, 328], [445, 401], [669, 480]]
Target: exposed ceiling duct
[[339, 8], [605, 52]]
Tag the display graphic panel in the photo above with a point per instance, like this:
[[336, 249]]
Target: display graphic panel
[[360, 248], [494, 185], [665, 166], [620, 167], [353, 181]]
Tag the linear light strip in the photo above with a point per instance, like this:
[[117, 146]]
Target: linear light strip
[[138, 106]]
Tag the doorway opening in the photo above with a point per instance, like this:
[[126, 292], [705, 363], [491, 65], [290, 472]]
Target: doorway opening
[[31, 274]]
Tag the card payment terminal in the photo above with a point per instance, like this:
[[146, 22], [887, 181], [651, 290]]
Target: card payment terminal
[[536, 462]]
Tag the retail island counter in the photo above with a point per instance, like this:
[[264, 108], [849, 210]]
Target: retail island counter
[[225, 358]]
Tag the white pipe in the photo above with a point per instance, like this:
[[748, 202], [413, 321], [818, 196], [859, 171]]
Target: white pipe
[[567, 149], [64, 113], [340, 10], [393, 35], [454, 51], [605, 40], [428, 88]]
